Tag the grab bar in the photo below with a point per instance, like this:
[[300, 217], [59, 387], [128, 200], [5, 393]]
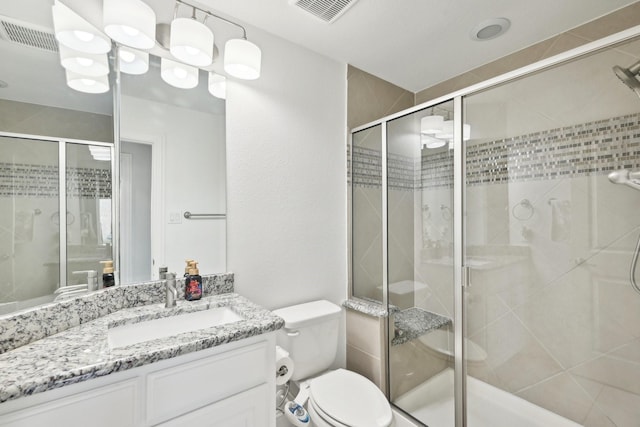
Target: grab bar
[[189, 215]]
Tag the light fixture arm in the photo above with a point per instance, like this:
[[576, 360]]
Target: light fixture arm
[[213, 15]]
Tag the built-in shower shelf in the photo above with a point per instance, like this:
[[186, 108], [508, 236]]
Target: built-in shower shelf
[[415, 322]]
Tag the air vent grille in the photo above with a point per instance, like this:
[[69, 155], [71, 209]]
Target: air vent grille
[[327, 10], [17, 33]]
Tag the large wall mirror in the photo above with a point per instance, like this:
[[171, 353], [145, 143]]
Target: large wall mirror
[[54, 224]]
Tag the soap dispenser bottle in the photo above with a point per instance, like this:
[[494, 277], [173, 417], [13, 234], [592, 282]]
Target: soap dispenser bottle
[[193, 283], [108, 279], [187, 267]]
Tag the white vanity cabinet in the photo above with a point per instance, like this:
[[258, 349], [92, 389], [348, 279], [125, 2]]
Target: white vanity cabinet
[[232, 385]]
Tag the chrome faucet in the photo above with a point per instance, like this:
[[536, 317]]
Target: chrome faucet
[[171, 291]]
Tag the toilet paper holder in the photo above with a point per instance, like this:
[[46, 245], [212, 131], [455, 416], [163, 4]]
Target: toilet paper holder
[[282, 371]]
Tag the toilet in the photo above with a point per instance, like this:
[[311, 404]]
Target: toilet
[[337, 398]]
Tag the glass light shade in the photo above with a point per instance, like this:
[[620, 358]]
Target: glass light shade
[[178, 75], [191, 42], [431, 142], [466, 132], [130, 22], [87, 84], [242, 59], [87, 64], [100, 153], [74, 32], [431, 124], [133, 61], [447, 130], [217, 85]]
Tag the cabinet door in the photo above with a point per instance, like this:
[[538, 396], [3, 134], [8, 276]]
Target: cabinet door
[[108, 406], [246, 409], [181, 389]]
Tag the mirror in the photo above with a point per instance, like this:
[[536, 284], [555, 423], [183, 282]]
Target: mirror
[[167, 169], [183, 131]]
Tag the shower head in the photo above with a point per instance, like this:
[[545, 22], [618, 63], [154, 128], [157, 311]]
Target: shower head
[[628, 76], [623, 176]]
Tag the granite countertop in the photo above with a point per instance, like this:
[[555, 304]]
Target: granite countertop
[[414, 322], [370, 307], [82, 352]]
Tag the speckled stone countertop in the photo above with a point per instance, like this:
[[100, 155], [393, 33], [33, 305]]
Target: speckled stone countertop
[[371, 307], [415, 322], [82, 352]]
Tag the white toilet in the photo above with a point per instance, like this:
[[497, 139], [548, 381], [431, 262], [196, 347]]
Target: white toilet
[[338, 398]]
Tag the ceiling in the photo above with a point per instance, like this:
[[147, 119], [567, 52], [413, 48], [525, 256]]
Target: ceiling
[[411, 43], [417, 43]]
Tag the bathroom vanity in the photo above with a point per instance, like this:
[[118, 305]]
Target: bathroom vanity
[[143, 364]]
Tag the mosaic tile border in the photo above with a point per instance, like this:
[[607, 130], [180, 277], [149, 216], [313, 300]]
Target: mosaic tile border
[[30, 180], [592, 148]]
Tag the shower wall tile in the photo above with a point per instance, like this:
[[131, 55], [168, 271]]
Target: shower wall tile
[[517, 362], [615, 407], [562, 395], [369, 98], [33, 119], [588, 330], [612, 371], [586, 149], [366, 340]]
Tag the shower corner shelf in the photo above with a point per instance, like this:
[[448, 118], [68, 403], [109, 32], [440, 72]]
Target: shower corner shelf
[[415, 322]]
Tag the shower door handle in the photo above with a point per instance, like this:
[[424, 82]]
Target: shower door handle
[[466, 276]]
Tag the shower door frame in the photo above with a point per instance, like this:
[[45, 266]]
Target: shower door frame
[[62, 191], [461, 271]]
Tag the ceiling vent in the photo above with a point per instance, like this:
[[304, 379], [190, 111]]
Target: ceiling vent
[[326, 10], [27, 34]]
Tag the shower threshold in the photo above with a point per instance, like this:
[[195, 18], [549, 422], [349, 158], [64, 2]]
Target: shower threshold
[[487, 406]]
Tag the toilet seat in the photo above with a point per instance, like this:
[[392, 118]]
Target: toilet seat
[[347, 399]]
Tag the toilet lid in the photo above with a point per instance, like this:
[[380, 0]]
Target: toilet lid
[[351, 399]]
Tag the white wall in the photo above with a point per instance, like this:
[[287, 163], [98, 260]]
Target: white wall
[[286, 163], [193, 178]]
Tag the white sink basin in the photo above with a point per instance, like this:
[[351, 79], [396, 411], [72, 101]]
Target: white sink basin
[[122, 336]]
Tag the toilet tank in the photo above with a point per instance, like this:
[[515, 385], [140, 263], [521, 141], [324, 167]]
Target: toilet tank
[[310, 335]]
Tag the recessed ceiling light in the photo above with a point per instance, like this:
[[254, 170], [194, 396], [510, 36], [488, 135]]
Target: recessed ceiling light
[[490, 29], [3, 84]]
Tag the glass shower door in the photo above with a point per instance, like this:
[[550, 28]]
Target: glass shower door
[[88, 209], [553, 324], [29, 243], [420, 263]]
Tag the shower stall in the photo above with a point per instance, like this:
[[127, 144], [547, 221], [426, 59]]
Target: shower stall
[[492, 226], [55, 215]]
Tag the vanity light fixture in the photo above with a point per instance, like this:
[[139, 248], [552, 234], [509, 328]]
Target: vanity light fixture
[[242, 59], [87, 84], [100, 153], [191, 41], [435, 132], [130, 22], [431, 125], [87, 64], [132, 61], [431, 142], [217, 85], [132, 25], [447, 130], [76, 33], [177, 74]]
